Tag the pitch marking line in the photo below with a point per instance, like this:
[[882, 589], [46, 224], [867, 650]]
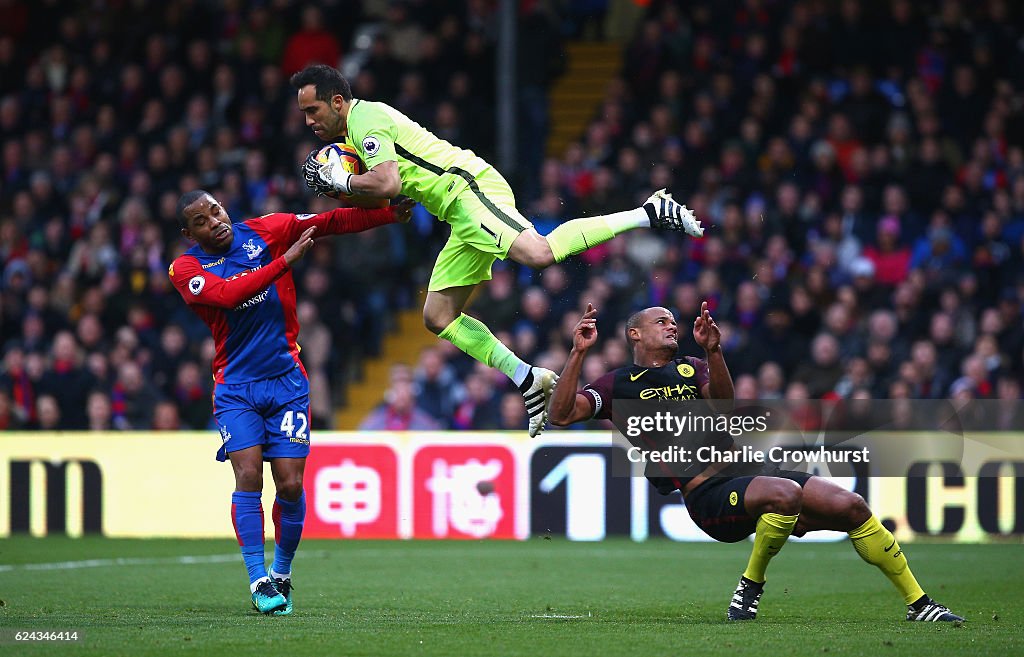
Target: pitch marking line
[[562, 616], [187, 560]]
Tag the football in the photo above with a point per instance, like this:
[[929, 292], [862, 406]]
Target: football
[[351, 163]]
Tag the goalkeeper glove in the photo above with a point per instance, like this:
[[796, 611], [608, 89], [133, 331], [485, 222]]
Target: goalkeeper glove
[[326, 178]]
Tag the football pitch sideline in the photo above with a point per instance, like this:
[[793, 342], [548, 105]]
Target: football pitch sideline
[[535, 598]]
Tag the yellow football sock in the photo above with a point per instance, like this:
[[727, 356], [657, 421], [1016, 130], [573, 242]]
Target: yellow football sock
[[876, 545], [473, 337], [578, 235], [770, 535]]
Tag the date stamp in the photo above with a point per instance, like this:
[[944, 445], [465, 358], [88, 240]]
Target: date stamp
[[14, 636]]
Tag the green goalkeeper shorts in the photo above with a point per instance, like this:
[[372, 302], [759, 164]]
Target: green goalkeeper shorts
[[484, 222]]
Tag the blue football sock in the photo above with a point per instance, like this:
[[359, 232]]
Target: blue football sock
[[247, 517], [288, 519]]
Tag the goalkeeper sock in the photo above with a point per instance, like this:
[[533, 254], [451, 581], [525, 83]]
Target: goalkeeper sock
[[770, 535], [247, 518], [473, 337], [578, 235], [288, 519], [876, 545]]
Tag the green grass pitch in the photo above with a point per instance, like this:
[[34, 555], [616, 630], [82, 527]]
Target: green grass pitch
[[534, 598]]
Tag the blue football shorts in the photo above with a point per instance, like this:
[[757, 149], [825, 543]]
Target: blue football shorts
[[273, 413]]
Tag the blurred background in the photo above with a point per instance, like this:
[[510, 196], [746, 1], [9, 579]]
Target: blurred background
[[859, 165]]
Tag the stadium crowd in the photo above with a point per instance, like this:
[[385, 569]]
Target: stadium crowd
[[860, 166]]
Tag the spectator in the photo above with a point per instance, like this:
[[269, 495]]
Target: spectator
[[165, 417], [821, 374], [20, 389], [497, 303], [932, 380], [940, 255], [1009, 412], [512, 416], [436, 385], [98, 409], [313, 43], [68, 381], [133, 398], [891, 261], [479, 409], [746, 387], [191, 396], [9, 420], [399, 412], [264, 31], [771, 381], [48, 412], [168, 356], [856, 377], [942, 336]]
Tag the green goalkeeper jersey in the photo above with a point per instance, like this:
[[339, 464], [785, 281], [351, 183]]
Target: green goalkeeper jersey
[[433, 172]]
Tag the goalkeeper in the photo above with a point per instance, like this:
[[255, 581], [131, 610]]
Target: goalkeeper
[[453, 184]]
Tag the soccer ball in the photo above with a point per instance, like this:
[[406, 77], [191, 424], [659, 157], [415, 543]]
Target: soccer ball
[[350, 162]]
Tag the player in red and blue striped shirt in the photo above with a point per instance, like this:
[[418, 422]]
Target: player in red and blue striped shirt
[[238, 279]]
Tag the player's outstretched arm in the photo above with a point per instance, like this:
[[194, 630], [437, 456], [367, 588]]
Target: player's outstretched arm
[[283, 228], [356, 220], [200, 287], [567, 405]]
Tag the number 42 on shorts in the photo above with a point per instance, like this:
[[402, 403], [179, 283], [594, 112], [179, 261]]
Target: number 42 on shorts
[[294, 425]]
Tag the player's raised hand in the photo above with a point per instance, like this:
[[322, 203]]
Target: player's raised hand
[[705, 331], [403, 209], [585, 334], [301, 246]]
